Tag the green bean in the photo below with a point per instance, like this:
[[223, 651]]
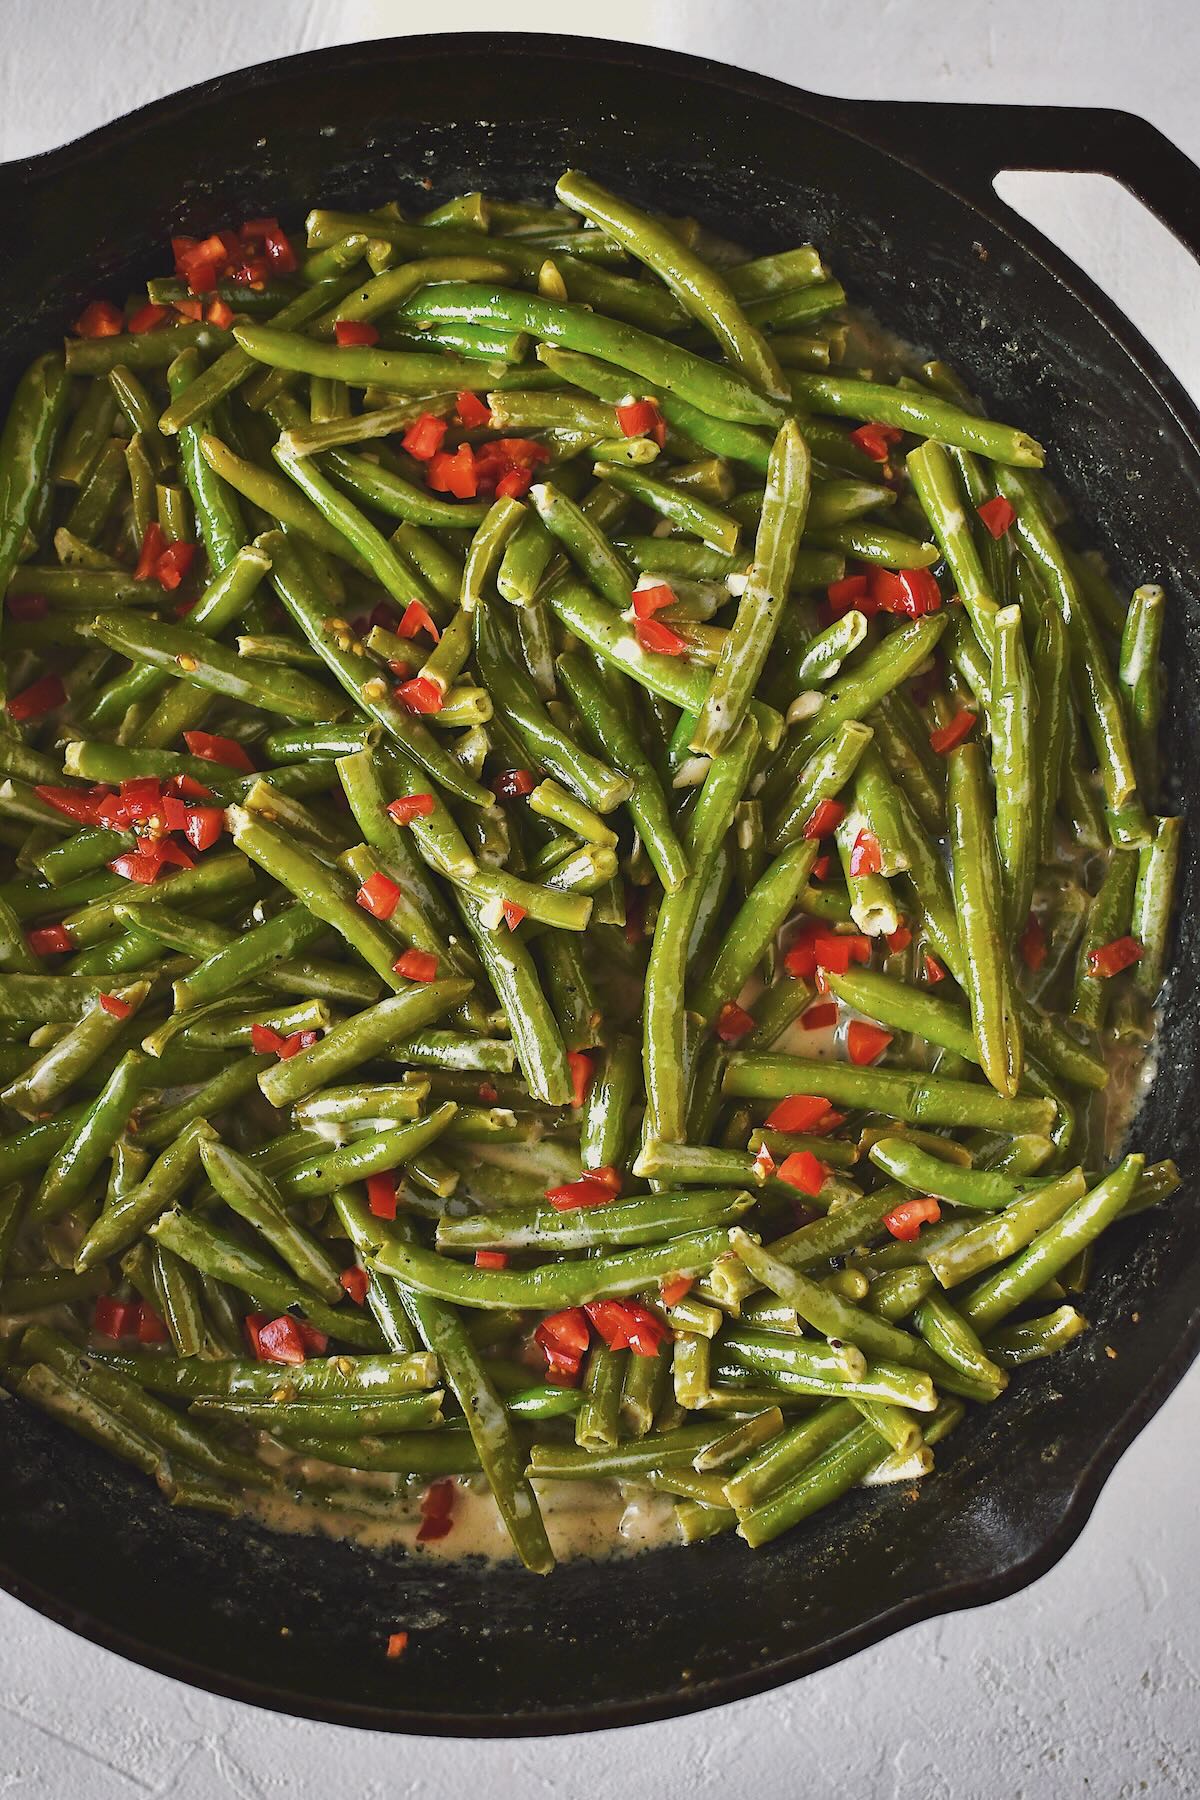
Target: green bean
[[932, 474], [812, 777], [127, 1216], [666, 975], [215, 1252], [360, 1378], [254, 1197], [916, 1168], [1158, 864], [748, 645], [916, 412], [1021, 1278], [1109, 917], [693, 282], [52, 1075], [76, 1162], [1030, 1339], [180, 651], [986, 966], [951, 1339], [1013, 749], [766, 907], [1139, 676], [34, 419], [551, 1285], [1097, 687], [910, 1095]]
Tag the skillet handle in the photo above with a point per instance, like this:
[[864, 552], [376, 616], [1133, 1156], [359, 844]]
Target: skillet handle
[[970, 145]]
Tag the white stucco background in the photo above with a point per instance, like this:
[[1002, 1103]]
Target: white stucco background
[[1089, 1682]]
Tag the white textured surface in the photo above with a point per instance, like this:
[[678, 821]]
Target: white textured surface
[[1087, 1683]]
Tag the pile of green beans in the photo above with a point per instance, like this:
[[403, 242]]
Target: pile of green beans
[[481, 1015]]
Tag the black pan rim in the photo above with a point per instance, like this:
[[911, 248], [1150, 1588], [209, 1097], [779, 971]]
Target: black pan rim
[[853, 118]]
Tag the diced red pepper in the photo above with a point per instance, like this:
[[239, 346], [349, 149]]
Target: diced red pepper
[[378, 895], [848, 595], [353, 332], [876, 440], [650, 600], [948, 737], [407, 807], [641, 418], [150, 1328], [381, 1195], [113, 1318], [999, 515], [934, 971], [355, 1283], [908, 593], [299, 1040], [192, 311], [488, 1093], [865, 1043], [113, 1003], [269, 237], [315, 1342], [675, 1288], [219, 312], [798, 1112], [587, 1190], [49, 940], [203, 826], [733, 1023], [820, 1017], [417, 617], [653, 635], [513, 914], [821, 868], [73, 803], [1032, 941], [473, 413], [899, 939], [825, 817], [277, 1340], [804, 1171], [644, 1333], [153, 544], [1111, 958], [563, 1338], [397, 1644], [423, 439], [38, 699], [226, 751], [419, 695], [491, 1259], [454, 472], [837, 950], [417, 965], [188, 788], [147, 317], [514, 484], [100, 318], [866, 858], [905, 1221], [142, 865], [513, 784], [27, 606], [266, 1041], [582, 1069], [437, 1510], [174, 563]]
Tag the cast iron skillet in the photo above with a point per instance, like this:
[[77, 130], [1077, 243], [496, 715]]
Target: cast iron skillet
[[900, 198]]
